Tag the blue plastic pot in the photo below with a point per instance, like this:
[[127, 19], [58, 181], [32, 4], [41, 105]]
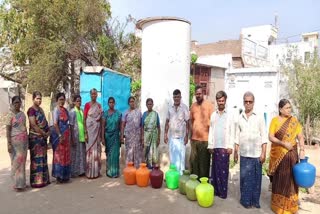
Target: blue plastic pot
[[304, 173]]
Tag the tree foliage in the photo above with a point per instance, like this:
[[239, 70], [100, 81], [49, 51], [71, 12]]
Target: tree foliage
[[119, 50], [192, 90], [304, 88], [194, 58], [45, 36]]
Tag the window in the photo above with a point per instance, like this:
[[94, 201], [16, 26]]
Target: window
[[306, 56], [204, 88], [306, 39]]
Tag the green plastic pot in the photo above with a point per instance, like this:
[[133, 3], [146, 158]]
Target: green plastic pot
[[172, 177], [205, 193], [191, 187], [183, 180]]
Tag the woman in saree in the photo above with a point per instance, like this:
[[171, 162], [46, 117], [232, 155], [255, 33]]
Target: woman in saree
[[92, 120], [131, 130], [150, 134], [60, 138], [78, 145], [17, 138], [38, 135], [111, 126], [284, 132]]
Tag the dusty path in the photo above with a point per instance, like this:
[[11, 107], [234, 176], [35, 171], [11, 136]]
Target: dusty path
[[105, 195]]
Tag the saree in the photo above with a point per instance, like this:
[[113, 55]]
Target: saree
[[150, 123], [284, 197], [19, 142], [112, 136], [61, 149], [93, 147], [132, 132], [39, 172], [78, 148]]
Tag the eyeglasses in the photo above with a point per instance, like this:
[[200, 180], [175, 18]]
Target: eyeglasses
[[247, 101]]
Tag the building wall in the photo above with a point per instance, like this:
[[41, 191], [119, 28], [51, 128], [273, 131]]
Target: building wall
[[262, 34], [7, 91], [255, 42], [262, 82], [286, 53], [216, 82], [237, 62], [222, 60]]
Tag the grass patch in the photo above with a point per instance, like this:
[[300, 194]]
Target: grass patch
[[265, 166], [303, 190], [232, 163]]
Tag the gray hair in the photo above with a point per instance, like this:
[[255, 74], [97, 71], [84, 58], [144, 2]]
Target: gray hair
[[248, 94]]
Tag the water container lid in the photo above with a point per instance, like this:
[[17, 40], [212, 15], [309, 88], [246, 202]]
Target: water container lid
[[204, 180], [304, 160], [143, 164], [156, 166], [172, 166], [186, 172], [193, 176]]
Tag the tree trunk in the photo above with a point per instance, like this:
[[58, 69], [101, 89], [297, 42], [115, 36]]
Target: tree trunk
[[72, 76], [308, 130]]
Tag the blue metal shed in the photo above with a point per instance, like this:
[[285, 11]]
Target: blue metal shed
[[109, 83]]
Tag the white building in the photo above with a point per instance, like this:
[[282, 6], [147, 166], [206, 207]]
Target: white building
[[261, 81], [287, 52], [246, 67], [255, 45], [252, 63]]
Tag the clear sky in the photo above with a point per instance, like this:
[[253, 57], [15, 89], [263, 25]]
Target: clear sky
[[213, 20]]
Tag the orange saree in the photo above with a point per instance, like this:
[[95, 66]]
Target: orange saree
[[284, 197]]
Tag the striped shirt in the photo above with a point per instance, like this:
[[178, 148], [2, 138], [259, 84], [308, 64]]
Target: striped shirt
[[178, 117], [250, 135]]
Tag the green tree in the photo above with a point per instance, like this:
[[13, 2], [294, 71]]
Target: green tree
[[304, 90], [119, 50], [46, 37], [193, 60]]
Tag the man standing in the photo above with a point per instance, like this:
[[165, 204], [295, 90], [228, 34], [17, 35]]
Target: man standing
[[200, 113], [220, 145], [252, 139], [177, 123]]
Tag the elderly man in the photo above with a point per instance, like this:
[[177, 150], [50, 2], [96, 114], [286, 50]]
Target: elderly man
[[251, 138], [177, 130]]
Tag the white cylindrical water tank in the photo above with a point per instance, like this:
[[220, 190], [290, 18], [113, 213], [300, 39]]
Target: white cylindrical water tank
[[165, 63]]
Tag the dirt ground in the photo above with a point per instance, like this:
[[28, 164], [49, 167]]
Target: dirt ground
[[105, 195]]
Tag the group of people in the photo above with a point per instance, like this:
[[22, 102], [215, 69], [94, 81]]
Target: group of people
[[221, 133], [76, 138], [214, 135]]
